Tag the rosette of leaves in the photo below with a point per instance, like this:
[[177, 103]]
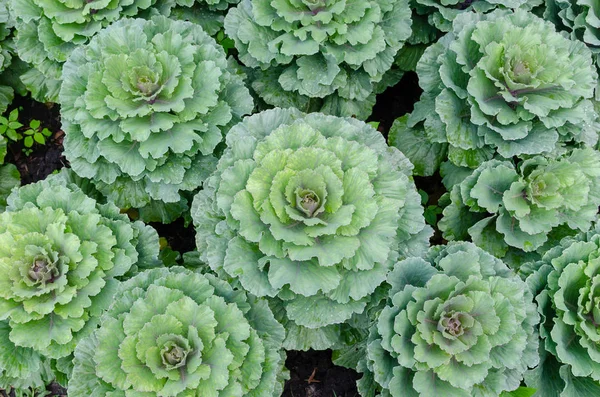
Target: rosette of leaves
[[61, 253], [310, 211], [503, 82], [209, 14], [516, 210], [565, 284], [442, 13], [47, 31], [320, 55], [143, 106], [174, 332], [458, 323]]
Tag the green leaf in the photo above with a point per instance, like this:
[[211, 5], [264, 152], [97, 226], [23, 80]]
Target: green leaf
[[39, 138], [35, 124], [13, 116], [520, 392], [28, 142], [11, 134], [413, 142]]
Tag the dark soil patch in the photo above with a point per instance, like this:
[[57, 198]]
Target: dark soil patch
[[434, 188], [396, 101], [312, 374], [181, 238], [44, 159]]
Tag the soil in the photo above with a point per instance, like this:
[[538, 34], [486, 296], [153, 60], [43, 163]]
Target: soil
[[312, 373], [44, 159], [396, 101]]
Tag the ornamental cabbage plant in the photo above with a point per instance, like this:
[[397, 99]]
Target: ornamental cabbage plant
[[565, 282], [458, 323], [310, 211], [143, 106], [47, 31], [503, 82], [528, 208], [174, 332], [61, 253], [323, 55]]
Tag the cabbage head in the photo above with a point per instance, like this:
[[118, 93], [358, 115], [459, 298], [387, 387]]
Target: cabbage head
[[47, 31], [174, 332], [503, 82], [310, 211], [458, 323], [528, 208], [565, 282], [60, 254], [143, 106], [329, 52]]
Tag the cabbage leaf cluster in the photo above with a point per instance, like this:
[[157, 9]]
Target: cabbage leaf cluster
[[174, 332], [580, 18], [441, 13], [527, 208], [60, 254], [143, 106], [503, 82], [6, 56], [334, 51], [209, 14], [565, 282], [310, 211], [459, 323]]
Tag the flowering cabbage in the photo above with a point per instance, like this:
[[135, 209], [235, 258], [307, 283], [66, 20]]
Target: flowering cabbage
[[332, 51], [47, 31], [174, 332], [60, 252], [527, 208], [143, 106], [565, 281], [459, 323], [310, 211], [500, 82]]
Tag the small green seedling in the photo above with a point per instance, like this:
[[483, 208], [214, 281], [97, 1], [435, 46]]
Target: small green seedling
[[225, 42], [431, 212], [33, 133], [10, 125]]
